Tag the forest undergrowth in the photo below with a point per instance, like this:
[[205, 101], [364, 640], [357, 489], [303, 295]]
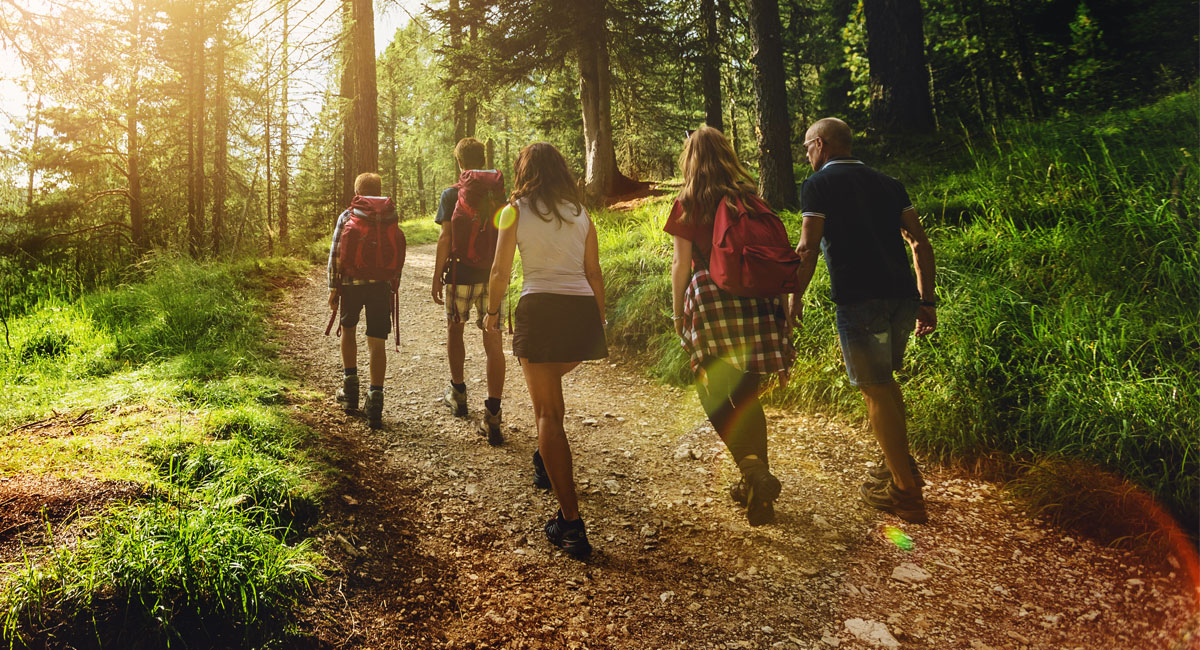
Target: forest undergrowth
[[1067, 265], [185, 396]]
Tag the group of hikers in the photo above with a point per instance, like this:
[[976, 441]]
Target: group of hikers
[[737, 287]]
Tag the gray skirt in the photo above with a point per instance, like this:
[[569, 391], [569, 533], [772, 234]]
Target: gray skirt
[[556, 328]]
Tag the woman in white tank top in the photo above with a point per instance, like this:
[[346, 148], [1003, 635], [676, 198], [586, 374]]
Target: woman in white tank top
[[559, 318]]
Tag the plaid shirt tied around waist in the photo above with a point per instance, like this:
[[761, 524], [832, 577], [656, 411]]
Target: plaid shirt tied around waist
[[747, 333]]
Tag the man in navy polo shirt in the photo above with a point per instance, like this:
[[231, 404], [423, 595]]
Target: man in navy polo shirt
[[862, 220]]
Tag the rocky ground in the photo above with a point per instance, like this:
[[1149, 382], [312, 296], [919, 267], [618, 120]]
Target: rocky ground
[[434, 538]]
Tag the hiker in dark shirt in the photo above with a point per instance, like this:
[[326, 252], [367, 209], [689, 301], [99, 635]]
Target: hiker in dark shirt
[[861, 219], [461, 286]]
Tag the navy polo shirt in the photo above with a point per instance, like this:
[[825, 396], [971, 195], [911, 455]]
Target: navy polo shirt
[[864, 250]]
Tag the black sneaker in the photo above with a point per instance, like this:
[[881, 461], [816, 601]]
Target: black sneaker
[[347, 395], [570, 536], [880, 474], [489, 427], [374, 409], [762, 488], [541, 479]]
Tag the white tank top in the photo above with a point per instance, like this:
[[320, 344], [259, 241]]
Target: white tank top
[[552, 251]]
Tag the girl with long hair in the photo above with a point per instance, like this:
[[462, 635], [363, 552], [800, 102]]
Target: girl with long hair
[[733, 343], [559, 317]]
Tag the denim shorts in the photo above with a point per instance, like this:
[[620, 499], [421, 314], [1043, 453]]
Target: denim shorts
[[873, 334]]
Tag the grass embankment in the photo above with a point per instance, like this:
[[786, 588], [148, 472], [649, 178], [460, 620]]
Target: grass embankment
[[1067, 266], [187, 399]]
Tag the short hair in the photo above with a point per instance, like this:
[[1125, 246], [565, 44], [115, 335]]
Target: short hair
[[368, 184], [834, 131], [470, 154]]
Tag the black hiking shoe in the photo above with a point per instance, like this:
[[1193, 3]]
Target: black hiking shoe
[[907, 505], [489, 427], [762, 488], [880, 474], [570, 536], [374, 409], [541, 479], [456, 401], [347, 395]]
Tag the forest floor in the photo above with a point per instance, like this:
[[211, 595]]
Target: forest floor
[[434, 539]]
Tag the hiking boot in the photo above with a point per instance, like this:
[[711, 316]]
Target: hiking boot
[[374, 409], [489, 428], [762, 488], [909, 506], [456, 400], [541, 479], [347, 395], [570, 536], [880, 474]]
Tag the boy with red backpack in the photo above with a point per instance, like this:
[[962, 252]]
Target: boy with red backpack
[[467, 213], [365, 260]]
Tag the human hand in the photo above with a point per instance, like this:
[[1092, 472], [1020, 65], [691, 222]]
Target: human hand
[[926, 319], [678, 322], [491, 322], [795, 311], [438, 289], [334, 298]]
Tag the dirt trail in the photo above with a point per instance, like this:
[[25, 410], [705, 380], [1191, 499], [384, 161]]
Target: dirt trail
[[435, 538]]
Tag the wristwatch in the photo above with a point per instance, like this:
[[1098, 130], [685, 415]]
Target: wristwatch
[[928, 303]]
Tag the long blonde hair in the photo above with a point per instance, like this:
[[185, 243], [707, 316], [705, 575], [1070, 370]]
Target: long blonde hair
[[711, 173]]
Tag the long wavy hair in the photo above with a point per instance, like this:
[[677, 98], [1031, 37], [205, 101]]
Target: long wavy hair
[[542, 176], [711, 173]]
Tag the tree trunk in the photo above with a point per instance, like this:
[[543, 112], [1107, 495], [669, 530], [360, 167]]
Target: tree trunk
[[270, 198], [283, 133], [37, 123], [896, 57], [460, 114], [221, 161], [594, 96], [195, 95], [421, 185], [710, 66], [347, 104], [366, 95], [1028, 75], [491, 153], [776, 179]]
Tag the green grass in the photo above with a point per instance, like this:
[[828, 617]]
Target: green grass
[[182, 392], [1067, 266]]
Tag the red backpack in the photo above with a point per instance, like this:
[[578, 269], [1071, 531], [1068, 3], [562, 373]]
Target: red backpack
[[372, 246], [473, 230], [751, 254]]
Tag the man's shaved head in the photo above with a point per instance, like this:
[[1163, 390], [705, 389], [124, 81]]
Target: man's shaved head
[[834, 132]]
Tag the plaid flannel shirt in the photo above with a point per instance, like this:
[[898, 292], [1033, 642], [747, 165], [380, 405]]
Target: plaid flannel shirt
[[747, 333]]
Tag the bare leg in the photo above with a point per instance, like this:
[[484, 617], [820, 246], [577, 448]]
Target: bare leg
[[455, 350], [494, 348], [885, 405], [545, 390], [377, 351], [349, 348]]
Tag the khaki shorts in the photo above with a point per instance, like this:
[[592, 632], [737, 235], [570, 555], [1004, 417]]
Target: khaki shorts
[[462, 298]]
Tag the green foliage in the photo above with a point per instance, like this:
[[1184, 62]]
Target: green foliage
[[165, 573], [1068, 317], [215, 556]]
